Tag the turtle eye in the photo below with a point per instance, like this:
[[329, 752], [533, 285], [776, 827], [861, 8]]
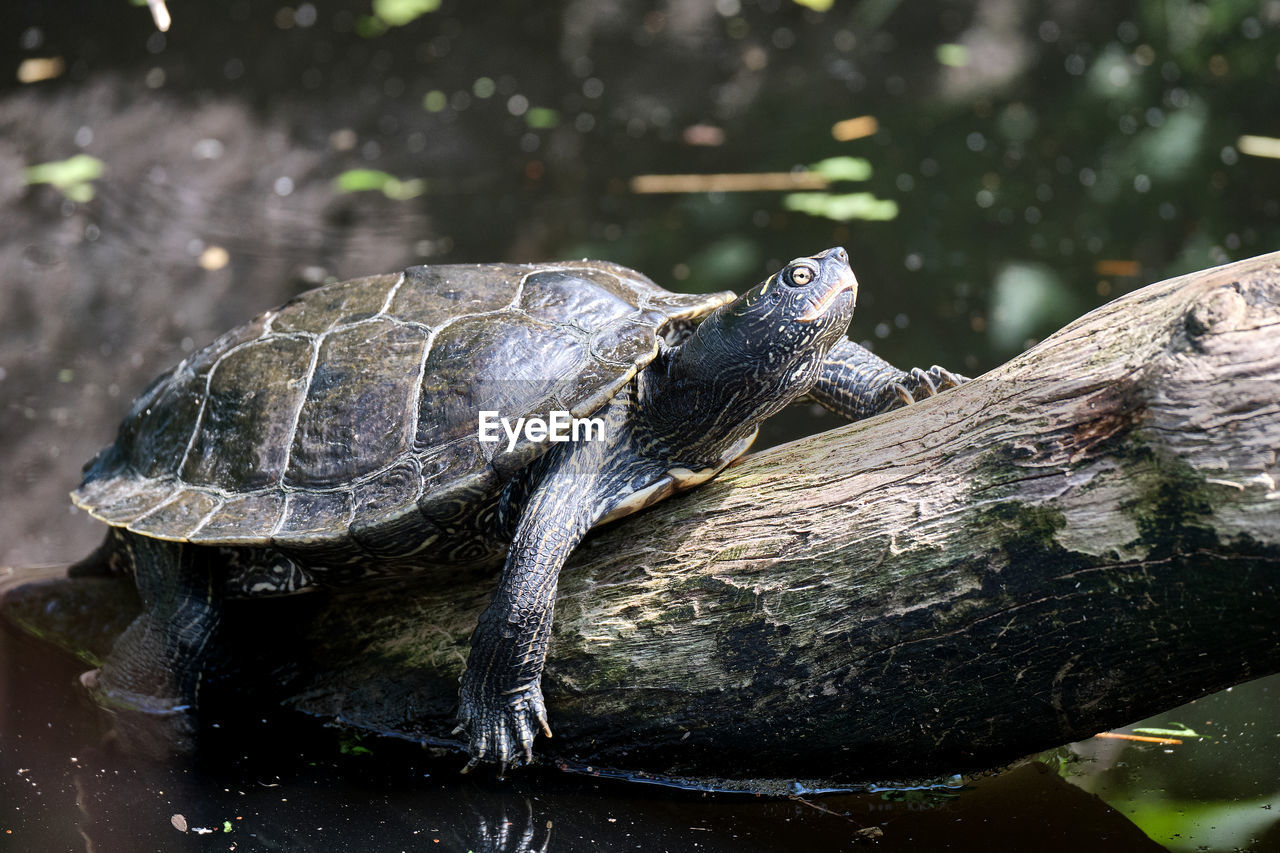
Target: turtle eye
[[800, 275]]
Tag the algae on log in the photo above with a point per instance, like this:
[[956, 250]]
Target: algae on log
[[1084, 536]]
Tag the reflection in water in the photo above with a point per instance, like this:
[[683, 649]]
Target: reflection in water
[[127, 806], [285, 783], [499, 834]]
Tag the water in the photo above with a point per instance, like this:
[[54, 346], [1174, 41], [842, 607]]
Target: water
[[287, 784], [1039, 162]]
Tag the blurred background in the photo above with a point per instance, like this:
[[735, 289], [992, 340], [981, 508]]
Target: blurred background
[[995, 168]]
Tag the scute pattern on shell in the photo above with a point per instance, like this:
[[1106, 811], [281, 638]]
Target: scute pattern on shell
[[348, 416]]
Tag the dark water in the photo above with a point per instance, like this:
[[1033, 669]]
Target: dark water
[[1029, 162], [285, 784]]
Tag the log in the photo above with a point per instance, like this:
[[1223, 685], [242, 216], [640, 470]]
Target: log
[[1084, 536]]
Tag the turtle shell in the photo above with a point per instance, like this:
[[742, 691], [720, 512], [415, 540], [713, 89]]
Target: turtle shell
[[351, 413]]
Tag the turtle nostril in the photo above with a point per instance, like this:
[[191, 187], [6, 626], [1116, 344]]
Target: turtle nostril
[[842, 254]]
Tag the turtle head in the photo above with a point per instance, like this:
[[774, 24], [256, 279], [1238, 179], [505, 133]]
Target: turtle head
[[750, 358], [817, 292], [786, 321], [778, 332]]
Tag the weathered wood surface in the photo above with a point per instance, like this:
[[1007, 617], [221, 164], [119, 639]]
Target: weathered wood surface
[[1084, 536]]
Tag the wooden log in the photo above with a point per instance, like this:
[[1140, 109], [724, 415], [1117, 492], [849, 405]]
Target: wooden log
[[1084, 536]]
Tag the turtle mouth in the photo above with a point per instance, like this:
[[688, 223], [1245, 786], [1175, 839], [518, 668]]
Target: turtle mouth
[[848, 282]]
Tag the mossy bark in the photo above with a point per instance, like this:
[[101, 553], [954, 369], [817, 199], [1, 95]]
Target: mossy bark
[[1084, 536]]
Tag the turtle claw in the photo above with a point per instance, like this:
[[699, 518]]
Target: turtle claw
[[501, 729], [916, 385], [924, 382], [919, 384], [944, 379]]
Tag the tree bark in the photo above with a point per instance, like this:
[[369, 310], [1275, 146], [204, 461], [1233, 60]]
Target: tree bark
[[1084, 536]]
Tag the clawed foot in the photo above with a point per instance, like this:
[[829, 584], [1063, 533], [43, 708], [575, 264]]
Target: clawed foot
[[501, 728], [144, 725], [919, 384]]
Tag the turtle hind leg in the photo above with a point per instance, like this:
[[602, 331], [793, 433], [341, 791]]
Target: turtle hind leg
[[151, 679]]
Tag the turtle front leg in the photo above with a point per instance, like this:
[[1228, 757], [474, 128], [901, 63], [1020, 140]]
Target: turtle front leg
[[150, 680], [855, 383], [500, 704]]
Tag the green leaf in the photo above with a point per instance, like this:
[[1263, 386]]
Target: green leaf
[[842, 207], [1182, 731], [397, 13], [843, 168], [541, 117], [816, 5], [70, 177], [356, 180], [953, 55], [64, 173], [350, 745], [361, 180]]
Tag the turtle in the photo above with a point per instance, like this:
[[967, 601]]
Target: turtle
[[340, 437]]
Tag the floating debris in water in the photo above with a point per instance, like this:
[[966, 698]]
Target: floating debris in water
[[1259, 146], [728, 183], [71, 177], [41, 68], [1120, 268], [855, 128], [359, 180]]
